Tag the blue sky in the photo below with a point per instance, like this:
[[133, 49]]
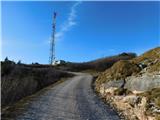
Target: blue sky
[[85, 30]]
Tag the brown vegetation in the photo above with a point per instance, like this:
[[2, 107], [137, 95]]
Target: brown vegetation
[[122, 84], [20, 80], [125, 68], [148, 56], [153, 102], [118, 71], [98, 65]]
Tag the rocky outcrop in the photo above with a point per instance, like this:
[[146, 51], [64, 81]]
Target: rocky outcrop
[[134, 105], [131, 106], [146, 82], [133, 87], [143, 83]]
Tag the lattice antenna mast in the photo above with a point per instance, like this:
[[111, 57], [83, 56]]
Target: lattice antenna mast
[[52, 57]]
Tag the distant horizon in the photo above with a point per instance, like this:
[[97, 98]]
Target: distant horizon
[[85, 30]]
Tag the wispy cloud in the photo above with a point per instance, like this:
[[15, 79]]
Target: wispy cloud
[[70, 22]]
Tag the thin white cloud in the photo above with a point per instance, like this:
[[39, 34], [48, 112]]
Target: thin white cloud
[[70, 22]]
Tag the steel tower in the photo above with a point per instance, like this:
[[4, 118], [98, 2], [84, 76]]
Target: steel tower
[[52, 56]]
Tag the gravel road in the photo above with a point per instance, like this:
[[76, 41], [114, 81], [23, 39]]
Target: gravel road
[[72, 99]]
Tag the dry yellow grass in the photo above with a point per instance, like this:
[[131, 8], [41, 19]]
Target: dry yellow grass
[[149, 62], [125, 68], [150, 55], [119, 70]]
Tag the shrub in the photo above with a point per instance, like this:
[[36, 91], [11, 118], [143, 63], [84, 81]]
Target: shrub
[[6, 67]]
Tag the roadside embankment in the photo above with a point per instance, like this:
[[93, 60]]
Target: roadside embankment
[[18, 81], [133, 86], [138, 100]]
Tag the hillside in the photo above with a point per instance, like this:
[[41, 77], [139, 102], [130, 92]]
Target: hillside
[[149, 56], [132, 86], [20, 80], [124, 68], [98, 65]]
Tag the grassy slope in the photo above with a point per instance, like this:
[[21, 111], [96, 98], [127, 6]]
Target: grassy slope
[[98, 65], [125, 68], [153, 100], [151, 55], [18, 81]]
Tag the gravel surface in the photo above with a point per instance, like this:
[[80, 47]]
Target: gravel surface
[[72, 99]]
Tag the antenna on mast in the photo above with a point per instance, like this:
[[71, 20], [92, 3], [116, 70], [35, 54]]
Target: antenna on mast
[[52, 58]]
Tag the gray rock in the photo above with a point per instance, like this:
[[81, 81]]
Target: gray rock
[[143, 83]]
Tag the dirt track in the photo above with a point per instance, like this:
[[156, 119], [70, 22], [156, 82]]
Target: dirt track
[[73, 99]]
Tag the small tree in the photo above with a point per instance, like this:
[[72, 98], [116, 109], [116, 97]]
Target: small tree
[[6, 59], [19, 62]]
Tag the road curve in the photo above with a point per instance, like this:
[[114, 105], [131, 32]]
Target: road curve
[[72, 99]]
